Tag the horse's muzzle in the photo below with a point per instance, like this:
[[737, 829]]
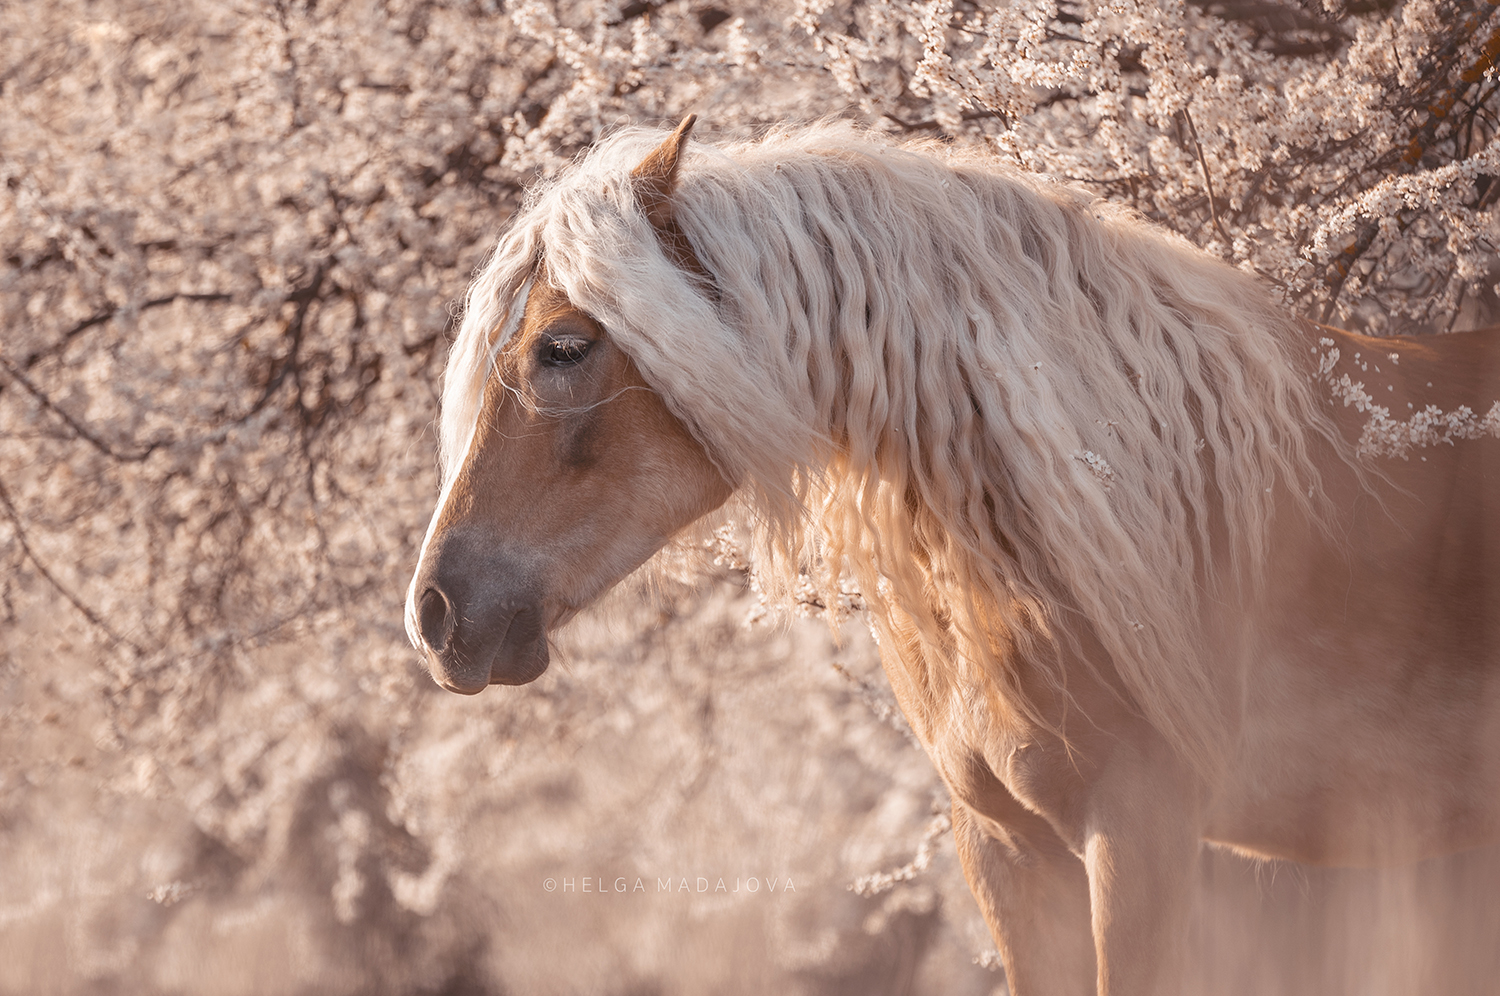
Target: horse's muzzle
[[478, 627]]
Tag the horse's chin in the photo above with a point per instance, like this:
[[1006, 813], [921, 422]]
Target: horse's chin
[[519, 657], [522, 664]]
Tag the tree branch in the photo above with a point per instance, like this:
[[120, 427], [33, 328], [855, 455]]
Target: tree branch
[[100, 317], [79, 430], [62, 589]]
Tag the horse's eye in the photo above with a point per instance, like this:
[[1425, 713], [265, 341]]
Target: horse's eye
[[564, 352]]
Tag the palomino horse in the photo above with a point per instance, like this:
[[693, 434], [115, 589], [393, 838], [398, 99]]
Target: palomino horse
[[1151, 563]]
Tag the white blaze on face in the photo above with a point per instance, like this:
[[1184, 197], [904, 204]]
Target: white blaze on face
[[480, 376]]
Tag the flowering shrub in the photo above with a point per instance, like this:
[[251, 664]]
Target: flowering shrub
[[1347, 155]]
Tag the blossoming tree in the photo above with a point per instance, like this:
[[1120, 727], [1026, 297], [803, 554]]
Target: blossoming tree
[[232, 236]]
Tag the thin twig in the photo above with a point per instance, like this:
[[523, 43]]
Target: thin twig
[[1213, 210], [62, 589], [79, 429], [100, 317], [1458, 306]]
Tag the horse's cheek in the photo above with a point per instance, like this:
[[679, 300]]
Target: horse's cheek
[[689, 481], [578, 444]]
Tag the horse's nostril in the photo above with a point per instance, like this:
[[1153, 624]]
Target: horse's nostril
[[435, 619]]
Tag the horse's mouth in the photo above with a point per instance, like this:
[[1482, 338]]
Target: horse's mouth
[[469, 665], [522, 656]]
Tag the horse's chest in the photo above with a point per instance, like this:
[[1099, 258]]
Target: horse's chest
[[1013, 779]]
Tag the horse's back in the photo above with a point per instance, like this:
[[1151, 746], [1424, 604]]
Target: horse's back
[[1375, 678], [1435, 532], [1419, 535], [1460, 368]]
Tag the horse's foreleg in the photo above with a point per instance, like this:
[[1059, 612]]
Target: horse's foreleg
[[1035, 897], [1141, 859]]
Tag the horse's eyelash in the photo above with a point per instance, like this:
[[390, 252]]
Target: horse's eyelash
[[564, 351]]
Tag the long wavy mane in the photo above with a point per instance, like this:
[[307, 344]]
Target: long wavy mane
[[1007, 409]]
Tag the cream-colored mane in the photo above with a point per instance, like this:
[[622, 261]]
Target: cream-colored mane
[[991, 399]]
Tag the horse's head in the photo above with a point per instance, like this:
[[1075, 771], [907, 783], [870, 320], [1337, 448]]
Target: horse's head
[[576, 474]]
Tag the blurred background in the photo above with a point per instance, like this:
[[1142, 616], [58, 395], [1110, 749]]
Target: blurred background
[[233, 239]]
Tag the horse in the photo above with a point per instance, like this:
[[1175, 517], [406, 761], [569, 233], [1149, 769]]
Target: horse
[[1152, 564]]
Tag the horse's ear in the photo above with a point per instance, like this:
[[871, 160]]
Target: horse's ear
[[655, 180], [656, 177]]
